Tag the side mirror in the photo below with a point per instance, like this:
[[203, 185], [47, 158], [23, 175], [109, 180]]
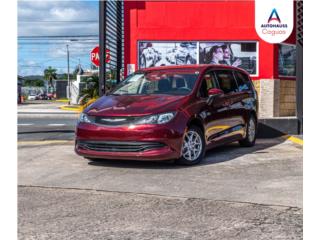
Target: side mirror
[[213, 93]]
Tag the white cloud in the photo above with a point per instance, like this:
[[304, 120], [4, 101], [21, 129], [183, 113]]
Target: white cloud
[[52, 18], [64, 14], [57, 29], [75, 49]]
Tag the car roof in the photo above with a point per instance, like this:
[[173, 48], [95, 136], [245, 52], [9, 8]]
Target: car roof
[[198, 67]]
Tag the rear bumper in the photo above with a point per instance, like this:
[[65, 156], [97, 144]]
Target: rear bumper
[[169, 136]]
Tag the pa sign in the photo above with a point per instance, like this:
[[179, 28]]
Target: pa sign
[[94, 56], [274, 19]]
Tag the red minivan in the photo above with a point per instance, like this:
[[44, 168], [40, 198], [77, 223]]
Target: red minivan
[[175, 112]]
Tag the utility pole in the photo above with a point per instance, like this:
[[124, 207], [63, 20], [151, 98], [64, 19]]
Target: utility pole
[[299, 64], [69, 85], [119, 40], [102, 47]]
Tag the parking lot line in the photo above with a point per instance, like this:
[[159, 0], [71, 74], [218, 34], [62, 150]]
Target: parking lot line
[[293, 139]]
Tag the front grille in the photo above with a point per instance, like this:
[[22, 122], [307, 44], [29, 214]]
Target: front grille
[[110, 146], [114, 121]]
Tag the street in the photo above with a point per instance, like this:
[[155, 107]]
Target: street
[[45, 121], [235, 193]]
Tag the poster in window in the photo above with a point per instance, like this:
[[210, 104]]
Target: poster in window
[[237, 54], [154, 54], [287, 60]]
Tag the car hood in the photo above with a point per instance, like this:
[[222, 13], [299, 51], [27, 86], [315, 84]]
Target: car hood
[[135, 105]]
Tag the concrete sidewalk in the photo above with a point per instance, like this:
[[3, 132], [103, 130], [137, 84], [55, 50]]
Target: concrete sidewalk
[[43, 108]]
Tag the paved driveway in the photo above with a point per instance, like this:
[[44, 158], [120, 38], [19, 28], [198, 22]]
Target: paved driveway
[[236, 193]]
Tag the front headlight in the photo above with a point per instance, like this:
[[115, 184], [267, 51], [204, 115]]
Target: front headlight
[[85, 118], [157, 119]]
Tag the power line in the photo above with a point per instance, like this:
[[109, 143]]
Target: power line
[[55, 41], [58, 21], [59, 36]]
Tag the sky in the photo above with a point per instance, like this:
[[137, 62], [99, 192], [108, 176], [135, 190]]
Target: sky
[[46, 27]]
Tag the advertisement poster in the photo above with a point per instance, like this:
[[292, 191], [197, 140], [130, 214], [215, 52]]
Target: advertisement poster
[[131, 68], [238, 54], [154, 54]]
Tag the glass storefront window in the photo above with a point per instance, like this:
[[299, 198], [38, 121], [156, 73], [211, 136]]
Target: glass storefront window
[[287, 60], [237, 54], [154, 54]]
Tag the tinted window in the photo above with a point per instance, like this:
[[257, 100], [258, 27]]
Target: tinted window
[[243, 81], [287, 60], [158, 82], [226, 81], [208, 82]]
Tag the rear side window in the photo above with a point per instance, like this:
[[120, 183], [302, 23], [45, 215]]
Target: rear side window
[[243, 81], [207, 83], [226, 81]]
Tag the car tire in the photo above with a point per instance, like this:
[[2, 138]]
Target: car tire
[[251, 133], [192, 157]]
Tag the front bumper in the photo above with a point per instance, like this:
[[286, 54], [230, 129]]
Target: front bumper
[[96, 141]]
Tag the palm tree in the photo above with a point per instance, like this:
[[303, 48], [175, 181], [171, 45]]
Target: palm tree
[[50, 74], [91, 90]]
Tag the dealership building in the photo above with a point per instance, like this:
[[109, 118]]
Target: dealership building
[[161, 33]]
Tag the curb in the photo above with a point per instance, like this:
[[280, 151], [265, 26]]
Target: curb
[[293, 139], [79, 108], [62, 100], [75, 109]]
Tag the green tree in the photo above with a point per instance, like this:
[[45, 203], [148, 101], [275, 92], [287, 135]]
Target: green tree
[[92, 89], [50, 74], [33, 83]]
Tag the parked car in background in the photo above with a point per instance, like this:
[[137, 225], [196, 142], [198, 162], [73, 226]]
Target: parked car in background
[[42, 96], [175, 112], [50, 96], [32, 96]]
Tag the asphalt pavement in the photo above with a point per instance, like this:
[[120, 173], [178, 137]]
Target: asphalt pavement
[[45, 121], [49, 213], [235, 193]]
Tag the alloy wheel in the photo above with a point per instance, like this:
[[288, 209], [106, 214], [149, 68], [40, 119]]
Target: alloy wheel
[[192, 146], [251, 130]]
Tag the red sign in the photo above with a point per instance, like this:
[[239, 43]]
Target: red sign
[[94, 55]]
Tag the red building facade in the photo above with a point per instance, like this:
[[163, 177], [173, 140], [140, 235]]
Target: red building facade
[[165, 28]]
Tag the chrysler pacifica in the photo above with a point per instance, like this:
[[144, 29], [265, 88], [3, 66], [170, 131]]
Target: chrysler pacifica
[[167, 113]]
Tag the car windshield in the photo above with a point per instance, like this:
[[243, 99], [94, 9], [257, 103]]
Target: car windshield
[[158, 82]]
